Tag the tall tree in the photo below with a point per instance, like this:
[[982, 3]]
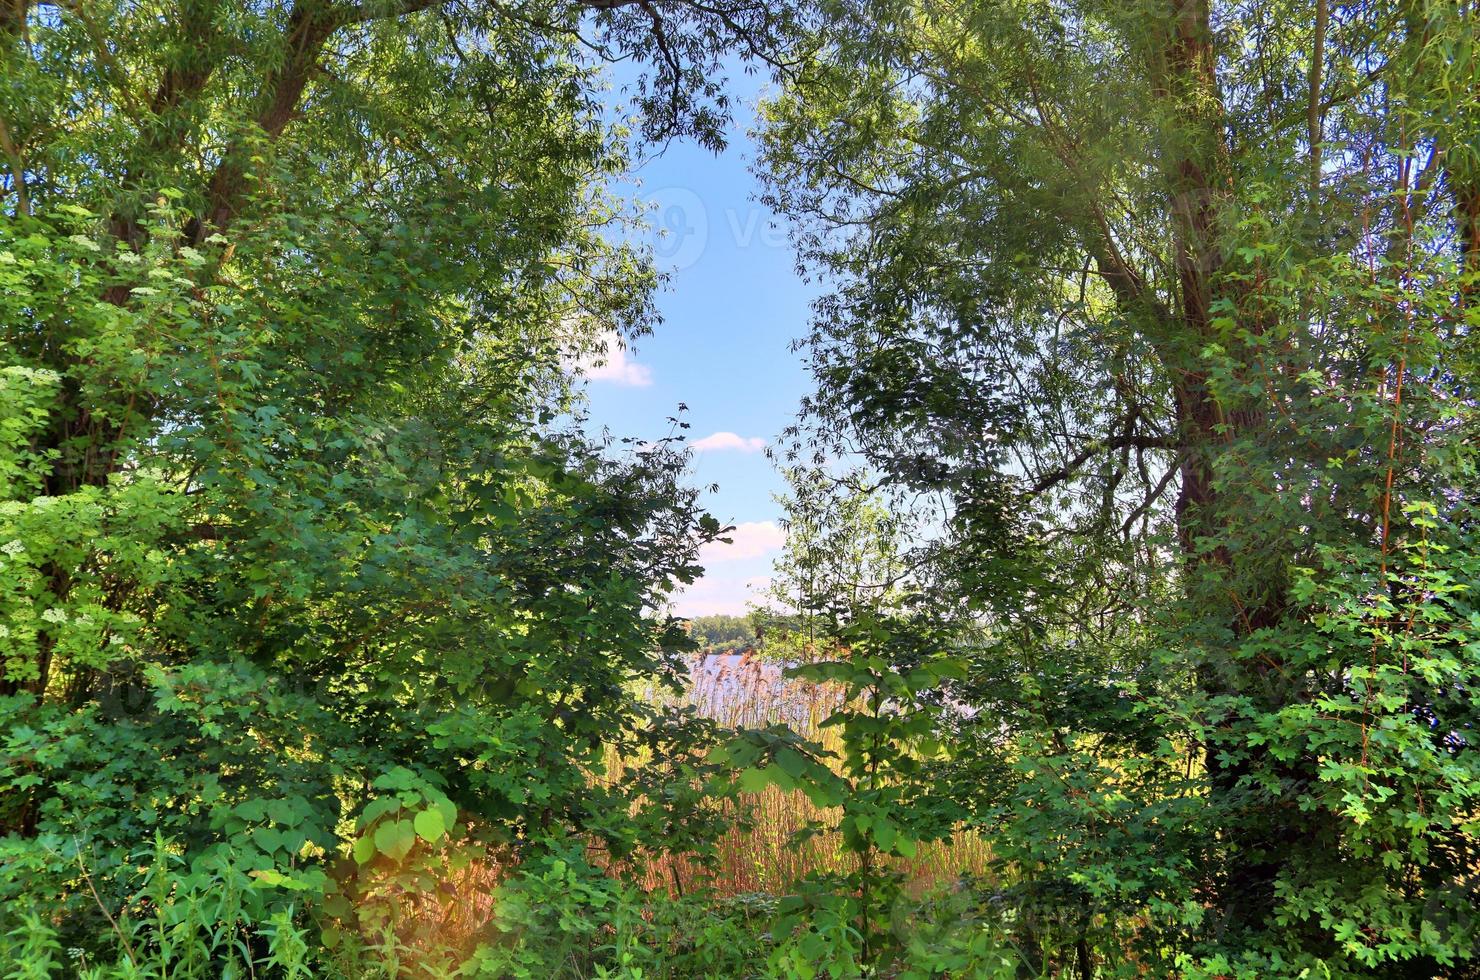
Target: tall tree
[[286, 499], [1174, 295]]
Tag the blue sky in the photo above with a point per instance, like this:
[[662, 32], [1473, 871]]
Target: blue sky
[[730, 312]]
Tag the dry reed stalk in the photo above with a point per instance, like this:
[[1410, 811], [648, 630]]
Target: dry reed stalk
[[746, 691], [760, 856]]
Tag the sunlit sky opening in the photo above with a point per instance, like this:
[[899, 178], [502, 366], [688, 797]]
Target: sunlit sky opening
[[731, 310]]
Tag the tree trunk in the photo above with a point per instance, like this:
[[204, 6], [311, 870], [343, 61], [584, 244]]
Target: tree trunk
[[1263, 832]]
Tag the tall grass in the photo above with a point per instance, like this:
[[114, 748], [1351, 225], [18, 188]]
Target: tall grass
[[760, 854]]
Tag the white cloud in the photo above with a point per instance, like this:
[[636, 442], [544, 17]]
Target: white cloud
[[729, 440], [720, 595], [749, 540], [614, 365]]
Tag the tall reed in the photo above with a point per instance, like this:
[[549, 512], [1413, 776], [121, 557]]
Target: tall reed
[[761, 853]]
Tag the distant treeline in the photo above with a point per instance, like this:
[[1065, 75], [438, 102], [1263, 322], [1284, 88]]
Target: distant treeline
[[723, 634]]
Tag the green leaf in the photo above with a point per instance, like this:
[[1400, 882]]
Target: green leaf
[[395, 839], [754, 780], [430, 825], [364, 850], [283, 812], [793, 763], [448, 810], [379, 808]]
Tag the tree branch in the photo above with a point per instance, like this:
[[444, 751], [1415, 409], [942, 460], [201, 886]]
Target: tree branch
[[1313, 118], [1126, 440]]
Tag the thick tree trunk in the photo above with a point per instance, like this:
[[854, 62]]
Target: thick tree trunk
[[1467, 223], [1262, 832]]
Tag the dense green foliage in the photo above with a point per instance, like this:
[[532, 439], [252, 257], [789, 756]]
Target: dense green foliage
[[1131, 528], [1165, 311], [303, 573]]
